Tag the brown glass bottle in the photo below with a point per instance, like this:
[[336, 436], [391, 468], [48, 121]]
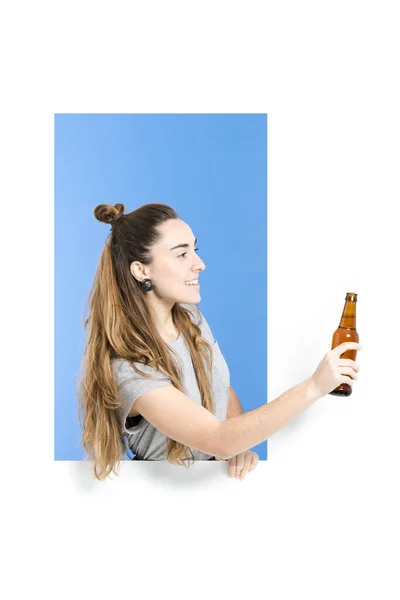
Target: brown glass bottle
[[346, 332]]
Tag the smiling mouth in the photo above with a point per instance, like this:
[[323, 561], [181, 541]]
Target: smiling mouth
[[194, 283]]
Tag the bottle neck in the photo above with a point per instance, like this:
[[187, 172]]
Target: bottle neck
[[348, 320]]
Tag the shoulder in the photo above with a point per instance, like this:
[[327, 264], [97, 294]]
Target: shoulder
[[195, 313], [124, 372], [200, 320]]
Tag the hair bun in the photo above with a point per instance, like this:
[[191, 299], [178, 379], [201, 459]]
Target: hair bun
[[106, 213]]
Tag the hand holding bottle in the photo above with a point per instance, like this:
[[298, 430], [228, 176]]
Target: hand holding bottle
[[333, 370]]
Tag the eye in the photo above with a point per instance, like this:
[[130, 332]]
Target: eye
[[184, 254]]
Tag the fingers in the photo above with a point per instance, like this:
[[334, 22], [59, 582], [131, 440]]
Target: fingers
[[232, 466], [334, 370], [254, 462], [348, 371], [240, 463], [239, 466], [347, 362], [342, 348], [348, 367]]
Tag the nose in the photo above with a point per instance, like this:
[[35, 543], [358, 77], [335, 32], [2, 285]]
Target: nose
[[199, 265]]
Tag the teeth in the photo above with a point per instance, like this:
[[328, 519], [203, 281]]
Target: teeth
[[191, 282]]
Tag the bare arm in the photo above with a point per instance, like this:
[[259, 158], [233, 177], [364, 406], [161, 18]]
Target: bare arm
[[244, 431], [234, 407], [180, 418]]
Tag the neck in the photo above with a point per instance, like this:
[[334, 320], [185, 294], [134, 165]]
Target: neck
[[162, 316]]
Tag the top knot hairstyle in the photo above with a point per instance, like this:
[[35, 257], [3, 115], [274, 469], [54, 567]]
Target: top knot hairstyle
[[109, 214], [120, 325]]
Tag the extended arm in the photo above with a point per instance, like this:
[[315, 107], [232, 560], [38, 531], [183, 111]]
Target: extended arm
[[234, 406], [233, 410]]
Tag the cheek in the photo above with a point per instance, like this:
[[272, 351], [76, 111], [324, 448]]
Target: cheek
[[169, 272]]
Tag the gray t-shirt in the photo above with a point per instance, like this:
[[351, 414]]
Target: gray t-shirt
[[145, 441]]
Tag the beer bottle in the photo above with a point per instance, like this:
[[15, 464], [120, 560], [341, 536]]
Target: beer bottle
[[346, 332]]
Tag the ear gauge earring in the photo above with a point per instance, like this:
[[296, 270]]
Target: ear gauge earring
[[147, 284]]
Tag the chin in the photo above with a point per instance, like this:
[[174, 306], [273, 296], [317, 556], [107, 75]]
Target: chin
[[190, 298]]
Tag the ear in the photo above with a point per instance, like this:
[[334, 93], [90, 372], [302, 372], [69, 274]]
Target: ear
[[138, 270]]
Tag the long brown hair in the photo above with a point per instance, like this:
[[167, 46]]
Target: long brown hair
[[120, 325]]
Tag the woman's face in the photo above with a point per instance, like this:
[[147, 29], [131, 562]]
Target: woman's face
[[174, 264]]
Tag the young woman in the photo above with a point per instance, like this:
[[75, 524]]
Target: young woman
[[154, 374]]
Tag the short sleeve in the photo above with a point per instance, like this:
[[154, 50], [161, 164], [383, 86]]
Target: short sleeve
[[131, 385]]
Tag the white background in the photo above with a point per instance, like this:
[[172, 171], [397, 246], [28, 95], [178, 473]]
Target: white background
[[319, 519]]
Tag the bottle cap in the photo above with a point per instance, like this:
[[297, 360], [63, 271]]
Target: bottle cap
[[351, 296]]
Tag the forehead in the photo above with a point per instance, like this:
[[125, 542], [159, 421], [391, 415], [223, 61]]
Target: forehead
[[173, 232]]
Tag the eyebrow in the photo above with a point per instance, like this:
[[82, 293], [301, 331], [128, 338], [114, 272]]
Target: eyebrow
[[182, 245]]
